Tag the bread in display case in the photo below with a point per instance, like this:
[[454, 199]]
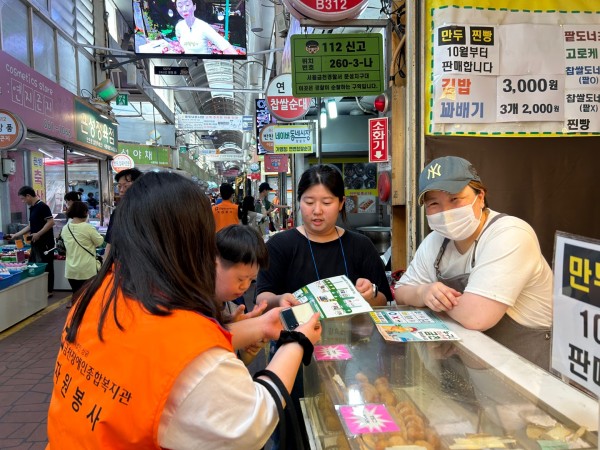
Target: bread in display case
[[459, 395]]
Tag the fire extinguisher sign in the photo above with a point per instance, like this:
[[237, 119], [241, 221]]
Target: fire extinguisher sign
[[378, 140]]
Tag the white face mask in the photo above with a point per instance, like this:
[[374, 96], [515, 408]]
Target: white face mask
[[456, 224]]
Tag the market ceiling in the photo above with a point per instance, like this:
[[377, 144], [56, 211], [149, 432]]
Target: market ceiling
[[241, 75]]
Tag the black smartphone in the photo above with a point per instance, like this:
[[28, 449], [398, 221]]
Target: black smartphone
[[293, 317]]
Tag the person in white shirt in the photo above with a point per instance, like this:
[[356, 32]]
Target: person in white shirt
[[195, 34], [484, 269]]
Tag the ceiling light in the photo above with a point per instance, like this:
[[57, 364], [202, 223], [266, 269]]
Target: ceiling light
[[332, 108], [220, 15], [49, 155], [256, 29], [323, 117]]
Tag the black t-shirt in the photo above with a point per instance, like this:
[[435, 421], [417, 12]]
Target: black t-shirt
[[39, 214], [291, 265]]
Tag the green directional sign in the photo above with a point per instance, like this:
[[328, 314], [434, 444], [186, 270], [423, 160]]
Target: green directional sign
[[122, 99], [337, 65]]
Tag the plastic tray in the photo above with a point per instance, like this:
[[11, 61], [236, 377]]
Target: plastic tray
[[35, 271]]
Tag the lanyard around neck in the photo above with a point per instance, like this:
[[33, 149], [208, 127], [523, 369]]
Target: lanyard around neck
[[313, 255]]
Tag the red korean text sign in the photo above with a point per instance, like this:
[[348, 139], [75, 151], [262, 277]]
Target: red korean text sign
[[280, 101], [378, 140]]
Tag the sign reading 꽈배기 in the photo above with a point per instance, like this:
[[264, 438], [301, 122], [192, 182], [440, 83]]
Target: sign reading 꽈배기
[[336, 65]]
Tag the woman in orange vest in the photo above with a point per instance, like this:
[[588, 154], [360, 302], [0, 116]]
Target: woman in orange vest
[[145, 359]]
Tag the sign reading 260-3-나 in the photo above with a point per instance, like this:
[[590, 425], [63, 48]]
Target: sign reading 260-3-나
[[336, 65]]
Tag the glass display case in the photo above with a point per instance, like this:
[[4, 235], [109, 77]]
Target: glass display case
[[468, 394]]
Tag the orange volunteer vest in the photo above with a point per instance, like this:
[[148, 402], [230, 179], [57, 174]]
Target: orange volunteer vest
[[111, 394], [225, 213]]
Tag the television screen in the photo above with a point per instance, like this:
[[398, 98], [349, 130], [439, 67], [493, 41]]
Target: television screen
[[195, 28]]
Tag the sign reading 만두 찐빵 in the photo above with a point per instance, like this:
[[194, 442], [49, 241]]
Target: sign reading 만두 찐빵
[[576, 321]]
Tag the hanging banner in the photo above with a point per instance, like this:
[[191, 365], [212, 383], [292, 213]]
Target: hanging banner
[[202, 122], [277, 163], [513, 68], [38, 174]]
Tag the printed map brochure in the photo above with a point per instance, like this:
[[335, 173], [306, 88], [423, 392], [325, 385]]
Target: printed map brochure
[[415, 325], [333, 297]]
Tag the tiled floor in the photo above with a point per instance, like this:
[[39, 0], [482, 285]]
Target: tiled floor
[[27, 355]]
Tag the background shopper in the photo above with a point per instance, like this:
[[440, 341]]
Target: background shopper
[[226, 212], [41, 229], [124, 180], [482, 268], [249, 216], [150, 324], [81, 240]]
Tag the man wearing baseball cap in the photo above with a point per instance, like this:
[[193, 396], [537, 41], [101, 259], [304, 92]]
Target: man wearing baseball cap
[[482, 268]]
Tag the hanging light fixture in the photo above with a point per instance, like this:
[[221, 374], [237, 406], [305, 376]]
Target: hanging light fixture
[[323, 116], [332, 108]]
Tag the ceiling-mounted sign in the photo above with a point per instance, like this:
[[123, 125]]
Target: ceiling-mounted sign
[[378, 140], [280, 101], [201, 122], [122, 162], [12, 130], [293, 138], [224, 157], [337, 65], [171, 70], [263, 118]]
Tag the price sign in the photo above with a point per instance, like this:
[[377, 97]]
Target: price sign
[[576, 335], [538, 98]]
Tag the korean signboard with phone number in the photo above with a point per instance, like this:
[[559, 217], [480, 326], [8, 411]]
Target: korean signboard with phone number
[[335, 65], [576, 325]]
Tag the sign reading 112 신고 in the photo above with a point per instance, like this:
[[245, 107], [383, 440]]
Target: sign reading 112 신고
[[336, 65]]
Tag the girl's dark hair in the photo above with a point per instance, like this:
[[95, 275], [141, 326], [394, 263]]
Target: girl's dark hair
[[162, 254], [329, 176], [242, 244], [77, 210], [72, 196], [247, 205]]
